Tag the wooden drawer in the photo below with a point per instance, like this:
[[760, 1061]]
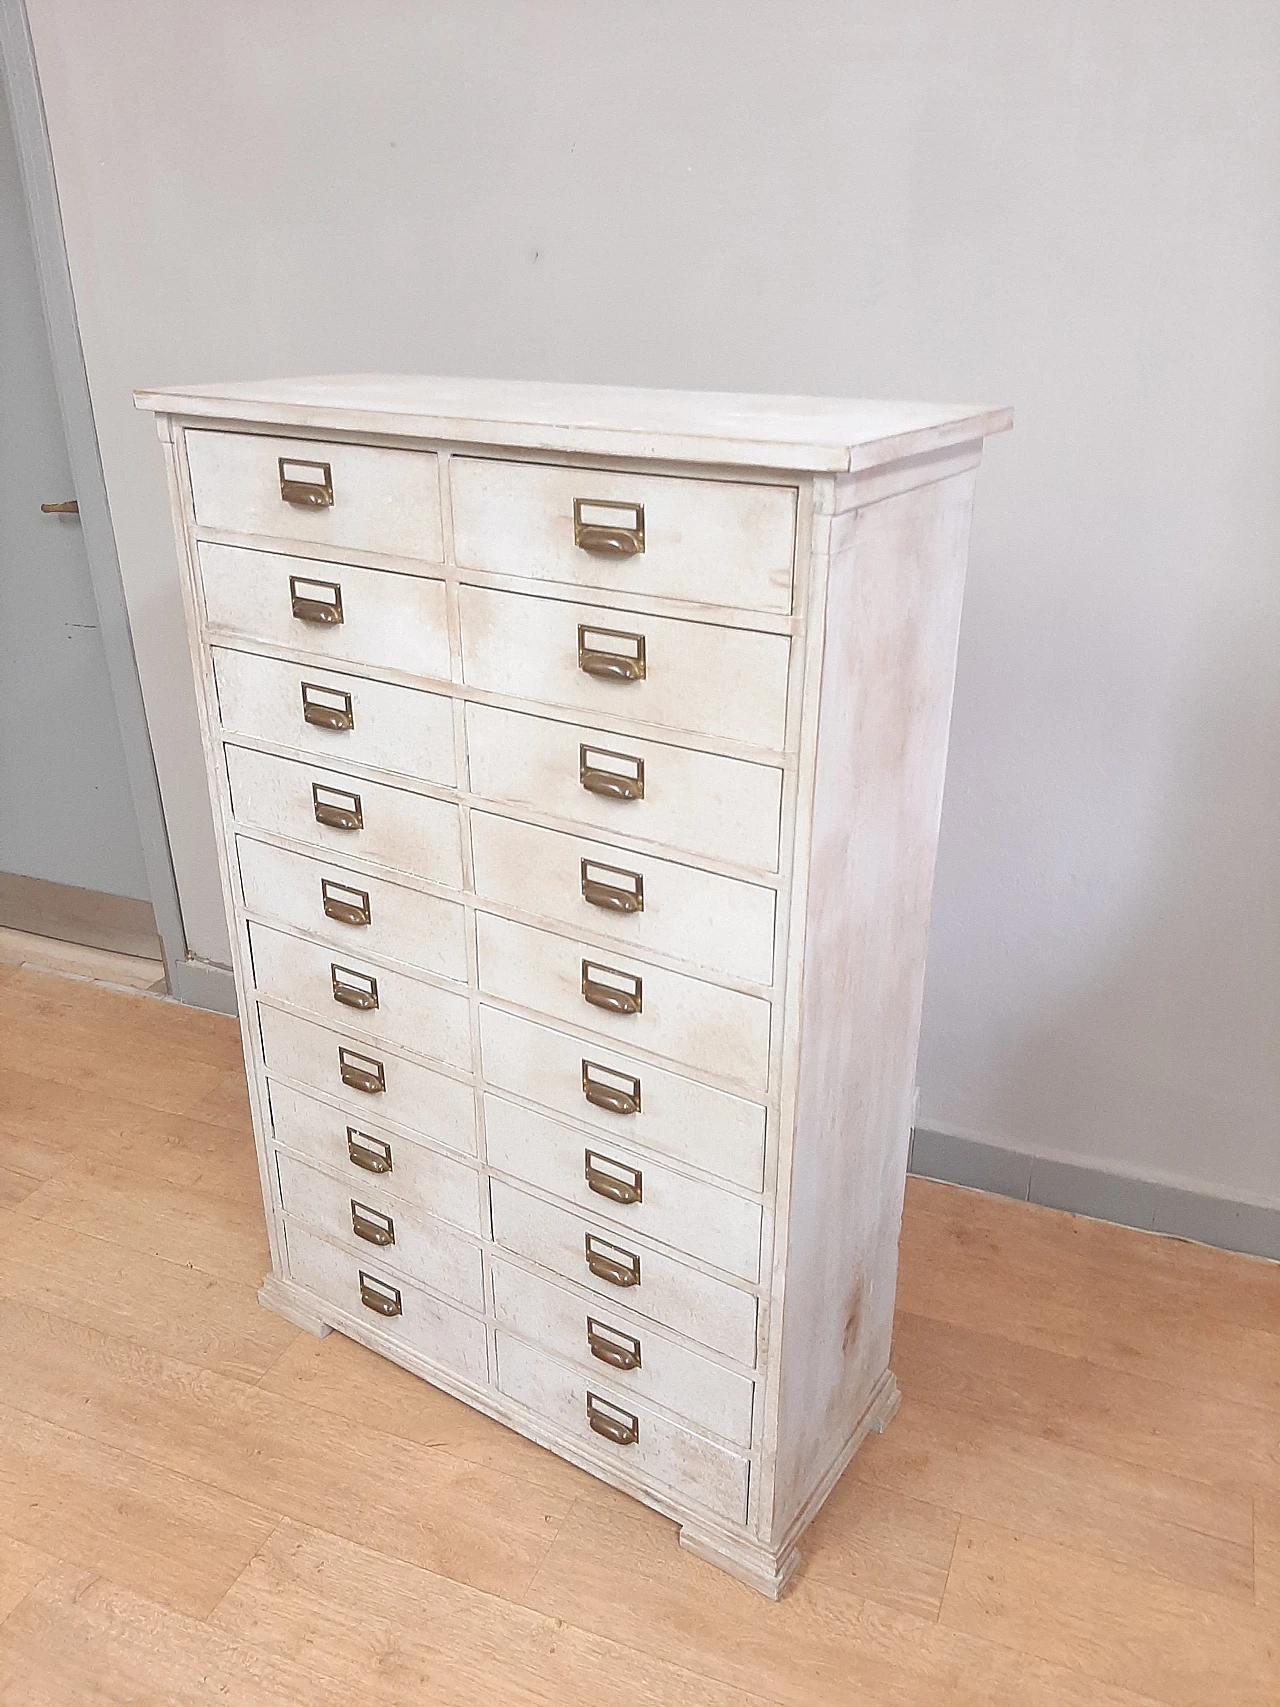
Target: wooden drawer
[[354, 616], [390, 728], [730, 682], [406, 1012], [370, 1223], [420, 1323], [686, 1214], [445, 1188], [712, 1130], [413, 1096], [720, 924], [700, 1025], [721, 808], [589, 1334], [714, 542], [668, 1291], [382, 500], [352, 912], [710, 1476], [396, 828]]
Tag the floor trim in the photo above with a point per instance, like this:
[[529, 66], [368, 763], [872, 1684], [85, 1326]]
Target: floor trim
[[1126, 1199], [204, 984], [116, 923]]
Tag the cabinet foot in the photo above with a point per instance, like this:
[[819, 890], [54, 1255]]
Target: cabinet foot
[[766, 1572], [276, 1294]]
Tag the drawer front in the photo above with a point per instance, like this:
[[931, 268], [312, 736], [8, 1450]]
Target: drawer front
[[601, 1339], [708, 1475], [683, 675], [445, 1188], [367, 1222], [722, 808], [383, 1299], [347, 815], [405, 1092], [382, 500], [366, 1000], [712, 1130], [667, 1291], [719, 923], [352, 912], [714, 542], [701, 1025], [632, 1193], [290, 705], [354, 616]]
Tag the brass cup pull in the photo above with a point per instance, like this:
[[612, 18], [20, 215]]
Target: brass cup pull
[[336, 809], [610, 1262], [619, 1093], [327, 708], [611, 787], [319, 602], [361, 1072], [606, 529], [614, 1180], [354, 989], [371, 1154], [609, 667], [625, 896], [309, 485], [619, 1426], [369, 1225], [347, 906], [611, 654], [615, 992], [612, 1346], [378, 1296]]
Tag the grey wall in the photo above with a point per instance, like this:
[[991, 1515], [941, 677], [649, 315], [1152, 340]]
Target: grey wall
[[1070, 207]]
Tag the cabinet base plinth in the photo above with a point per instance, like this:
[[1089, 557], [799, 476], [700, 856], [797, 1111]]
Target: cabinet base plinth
[[276, 1294], [766, 1572]]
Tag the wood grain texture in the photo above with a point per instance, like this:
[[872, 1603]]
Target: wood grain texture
[[172, 1533]]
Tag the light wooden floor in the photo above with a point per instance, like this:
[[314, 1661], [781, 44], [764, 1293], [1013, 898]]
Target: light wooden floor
[[1079, 1502]]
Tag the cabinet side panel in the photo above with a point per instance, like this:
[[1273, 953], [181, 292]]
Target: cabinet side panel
[[892, 624]]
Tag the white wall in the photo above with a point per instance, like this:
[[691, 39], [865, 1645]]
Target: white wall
[[1070, 207]]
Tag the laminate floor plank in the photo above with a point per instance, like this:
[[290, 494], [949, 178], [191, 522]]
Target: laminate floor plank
[[1266, 1541], [167, 1306], [16, 1187], [477, 1525], [21, 1568], [1128, 1630]]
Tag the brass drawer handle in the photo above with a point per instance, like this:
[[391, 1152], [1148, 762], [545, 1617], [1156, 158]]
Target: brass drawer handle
[[624, 897], [619, 1426], [368, 1224], [607, 529], [338, 810], [331, 712], [379, 1296], [606, 779], [622, 1268], [316, 601], [616, 992], [603, 1088], [347, 906], [354, 989], [612, 1346], [361, 1072], [310, 490], [625, 663], [371, 1154], [614, 1180]]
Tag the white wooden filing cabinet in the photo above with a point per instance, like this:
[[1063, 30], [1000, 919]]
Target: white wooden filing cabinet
[[577, 756]]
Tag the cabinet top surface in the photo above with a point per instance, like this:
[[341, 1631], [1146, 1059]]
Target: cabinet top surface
[[807, 434]]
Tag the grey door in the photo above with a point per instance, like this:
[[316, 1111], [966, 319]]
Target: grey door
[[66, 814]]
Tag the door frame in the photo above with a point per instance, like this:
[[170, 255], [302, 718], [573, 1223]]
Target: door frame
[[191, 980]]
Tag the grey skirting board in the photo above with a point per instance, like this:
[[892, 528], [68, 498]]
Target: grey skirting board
[[1129, 1201]]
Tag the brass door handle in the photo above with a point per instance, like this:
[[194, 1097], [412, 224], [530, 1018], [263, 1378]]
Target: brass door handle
[[68, 507], [336, 906], [320, 713], [620, 1270], [370, 1078], [312, 490], [611, 1346], [610, 1185], [624, 897], [369, 1225], [377, 1295], [371, 1154], [326, 611], [354, 989], [595, 529], [623, 1430], [613, 997]]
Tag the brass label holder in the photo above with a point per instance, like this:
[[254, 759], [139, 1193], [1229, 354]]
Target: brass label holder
[[608, 529], [611, 1421], [379, 1296], [367, 1152], [611, 654], [327, 708], [309, 485], [361, 1072], [625, 895], [319, 602], [613, 776], [619, 1093], [612, 1346], [613, 991], [348, 906], [337, 809]]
